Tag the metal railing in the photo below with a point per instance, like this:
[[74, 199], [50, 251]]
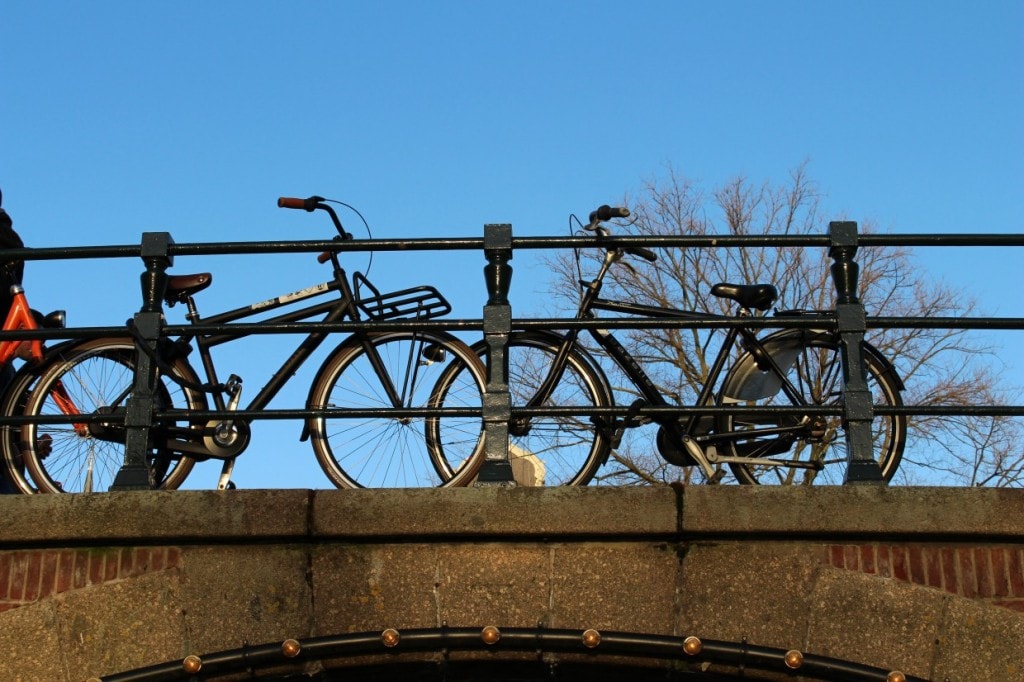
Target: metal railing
[[158, 250]]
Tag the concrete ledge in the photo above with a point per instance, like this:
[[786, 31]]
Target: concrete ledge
[[497, 511], [652, 512], [157, 516], [835, 512]]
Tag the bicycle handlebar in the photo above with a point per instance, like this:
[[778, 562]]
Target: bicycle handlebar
[[606, 212], [311, 204]]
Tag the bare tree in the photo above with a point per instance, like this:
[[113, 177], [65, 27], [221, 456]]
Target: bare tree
[[938, 366]]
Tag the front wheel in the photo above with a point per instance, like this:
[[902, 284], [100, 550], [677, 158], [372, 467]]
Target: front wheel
[[90, 378], [397, 370], [811, 449]]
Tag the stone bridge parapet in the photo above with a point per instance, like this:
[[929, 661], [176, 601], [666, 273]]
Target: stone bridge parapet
[[922, 580]]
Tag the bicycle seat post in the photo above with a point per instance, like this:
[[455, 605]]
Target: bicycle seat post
[[135, 474]]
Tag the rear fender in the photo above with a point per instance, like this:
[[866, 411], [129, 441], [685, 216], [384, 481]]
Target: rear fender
[[748, 382]]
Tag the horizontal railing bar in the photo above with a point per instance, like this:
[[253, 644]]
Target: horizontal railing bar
[[312, 246], [574, 411], [941, 239], [475, 243], [945, 322], [698, 321]]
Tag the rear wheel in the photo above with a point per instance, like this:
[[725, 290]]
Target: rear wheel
[[815, 444], [97, 377]]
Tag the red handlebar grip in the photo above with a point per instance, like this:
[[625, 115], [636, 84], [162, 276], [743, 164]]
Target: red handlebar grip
[[291, 202], [323, 257]]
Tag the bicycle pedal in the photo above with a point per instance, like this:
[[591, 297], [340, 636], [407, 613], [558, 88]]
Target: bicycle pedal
[[233, 386], [717, 477]]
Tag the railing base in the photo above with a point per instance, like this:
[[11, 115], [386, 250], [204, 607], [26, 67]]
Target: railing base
[[496, 473], [864, 472], [131, 478]]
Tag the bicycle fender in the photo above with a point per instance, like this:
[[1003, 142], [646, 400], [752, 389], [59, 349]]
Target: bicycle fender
[[747, 382]]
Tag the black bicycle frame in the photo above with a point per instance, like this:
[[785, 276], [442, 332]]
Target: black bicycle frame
[[651, 395], [335, 310], [341, 308], [643, 383]]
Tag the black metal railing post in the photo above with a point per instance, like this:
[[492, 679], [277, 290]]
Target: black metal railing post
[[858, 407], [135, 472], [497, 404]]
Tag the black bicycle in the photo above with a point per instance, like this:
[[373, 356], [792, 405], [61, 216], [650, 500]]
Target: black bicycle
[[790, 368], [374, 393]]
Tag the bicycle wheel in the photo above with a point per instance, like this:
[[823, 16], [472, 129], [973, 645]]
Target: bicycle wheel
[[393, 451], [12, 403], [95, 376], [549, 450], [819, 444]]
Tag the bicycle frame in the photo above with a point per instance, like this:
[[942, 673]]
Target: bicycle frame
[[343, 307], [20, 318], [696, 443]]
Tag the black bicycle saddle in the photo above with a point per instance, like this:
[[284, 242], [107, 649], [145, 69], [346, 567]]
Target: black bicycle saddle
[[757, 296]]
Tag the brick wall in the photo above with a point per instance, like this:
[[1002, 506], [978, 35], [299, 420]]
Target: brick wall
[[26, 576], [993, 574]]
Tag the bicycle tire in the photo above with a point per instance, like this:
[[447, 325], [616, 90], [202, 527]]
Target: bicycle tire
[[12, 403], [95, 374], [817, 373], [555, 450], [396, 452]]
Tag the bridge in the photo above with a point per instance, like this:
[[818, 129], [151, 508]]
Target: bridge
[[695, 583]]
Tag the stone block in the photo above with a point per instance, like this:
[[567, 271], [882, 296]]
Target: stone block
[[615, 586], [876, 621], [500, 584], [360, 588], [120, 626], [244, 595], [736, 590], [30, 640]]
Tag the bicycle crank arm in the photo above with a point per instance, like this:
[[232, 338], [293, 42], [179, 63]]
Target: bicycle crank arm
[[224, 482], [703, 459]]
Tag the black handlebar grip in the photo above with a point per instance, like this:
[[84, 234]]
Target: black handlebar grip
[[646, 254], [607, 212]]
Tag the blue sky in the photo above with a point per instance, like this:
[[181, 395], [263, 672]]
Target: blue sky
[[436, 118]]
